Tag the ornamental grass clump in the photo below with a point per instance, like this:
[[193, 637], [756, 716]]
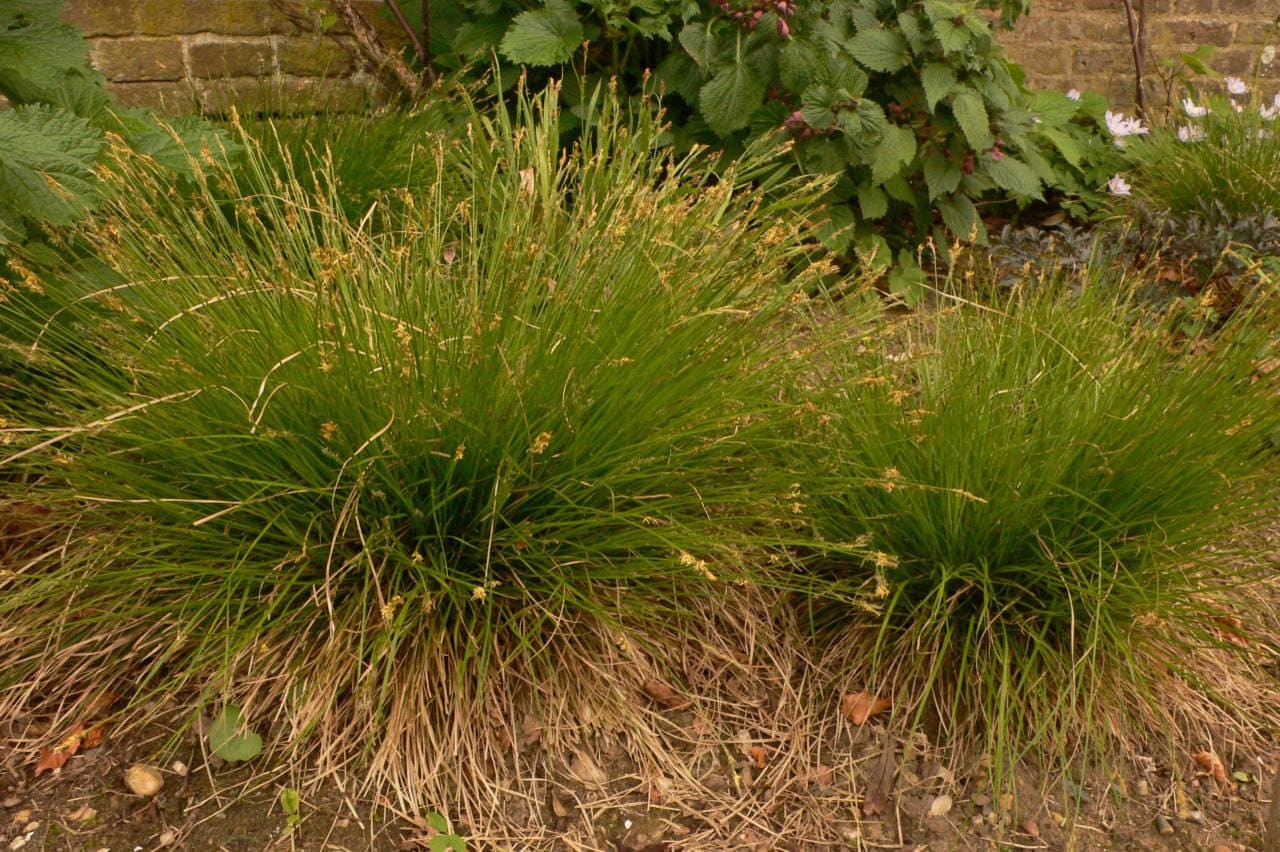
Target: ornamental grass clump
[[1036, 504], [370, 484]]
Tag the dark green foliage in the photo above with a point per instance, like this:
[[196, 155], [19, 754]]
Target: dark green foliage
[[911, 104]]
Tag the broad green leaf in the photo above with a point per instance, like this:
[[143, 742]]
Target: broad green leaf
[[229, 737], [730, 97], [907, 279], [872, 202], [873, 252], [939, 80], [953, 38], [446, 843], [896, 148], [35, 58], [797, 65], [46, 155], [1054, 108], [1198, 60], [1013, 175], [546, 36], [971, 115], [961, 217], [941, 175], [909, 25], [700, 43], [880, 50], [836, 231]]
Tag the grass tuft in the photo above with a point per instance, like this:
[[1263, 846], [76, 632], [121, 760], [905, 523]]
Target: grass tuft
[[1033, 504]]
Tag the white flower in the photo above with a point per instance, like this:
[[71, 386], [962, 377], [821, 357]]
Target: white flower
[[1268, 113], [1268, 54], [1118, 186], [1190, 133], [1277, 100], [1236, 86], [1122, 125], [1190, 108], [1074, 94]]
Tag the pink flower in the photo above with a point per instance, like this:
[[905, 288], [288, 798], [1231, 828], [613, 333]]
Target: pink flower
[[1119, 186], [1236, 86]]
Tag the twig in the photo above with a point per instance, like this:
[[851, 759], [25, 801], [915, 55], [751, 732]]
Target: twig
[[1135, 42]]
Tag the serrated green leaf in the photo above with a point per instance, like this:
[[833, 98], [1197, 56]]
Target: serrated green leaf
[[1014, 176], [953, 38], [880, 50], [797, 65], [971, 115], [909, 26], [35, 58], [941, 175], [896, 148], [907, 279], [546, 36], [1053, 108], [939, 80], [46, 155], [730, 97], [174, 142], [836, 231], [872, 202], [700, 43], [961, 218], [229, 737]]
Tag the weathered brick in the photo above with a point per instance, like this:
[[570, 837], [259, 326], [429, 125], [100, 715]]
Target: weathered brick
[[218, 57], [226, 17], [139, 59], [101, 17], [1191, 32], [283, 95], [175, 98], [313, 57]]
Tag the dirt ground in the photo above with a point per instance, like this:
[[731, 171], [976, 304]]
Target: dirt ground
[[874, 798]]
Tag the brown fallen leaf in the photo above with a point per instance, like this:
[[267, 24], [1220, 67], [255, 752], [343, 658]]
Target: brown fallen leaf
[[880, 785], [1211, 764], [858, 707], [757, 756], [57, 757], [665, 695], [1229, 629]]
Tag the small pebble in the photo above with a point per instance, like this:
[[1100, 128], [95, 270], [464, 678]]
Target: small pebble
[[11, 802], [1143, 787], [1223, 847], [31, 827], [143, 780], [1031, 827], [17, 843], [1163, 825], [940, 806], [23, 816], [167, 838], [179, 768]]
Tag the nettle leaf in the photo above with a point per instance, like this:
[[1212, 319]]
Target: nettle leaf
[[971, 115], [896, 148], [546, 36], [1068, 147], [230, 738], [35, 58], [700, 43], [953, 38], [1053, 107], [941, 175], [46, 155], [939, 80], [174, 142], [912, 31], [730, 97], [872, 202], [961, 217], [1013, 175], [797, 65], [880, 50]]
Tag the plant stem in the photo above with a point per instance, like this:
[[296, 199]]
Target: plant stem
[[1135, 42]]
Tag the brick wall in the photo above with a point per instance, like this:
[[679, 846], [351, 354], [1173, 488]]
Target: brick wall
[[183, 55], [1085, 43], [188, 54]]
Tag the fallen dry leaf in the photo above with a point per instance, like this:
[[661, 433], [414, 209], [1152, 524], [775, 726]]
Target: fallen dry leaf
[[858, 707], [757, 756], [880, 785], [665, 695], [1230, 629], [1211, 764], [57, 757]]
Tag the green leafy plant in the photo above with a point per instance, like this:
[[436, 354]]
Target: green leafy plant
[[911, 104], [230, 737], [442, 837], [363, 474], [291, 804], [1024, 495], [52, 139]]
